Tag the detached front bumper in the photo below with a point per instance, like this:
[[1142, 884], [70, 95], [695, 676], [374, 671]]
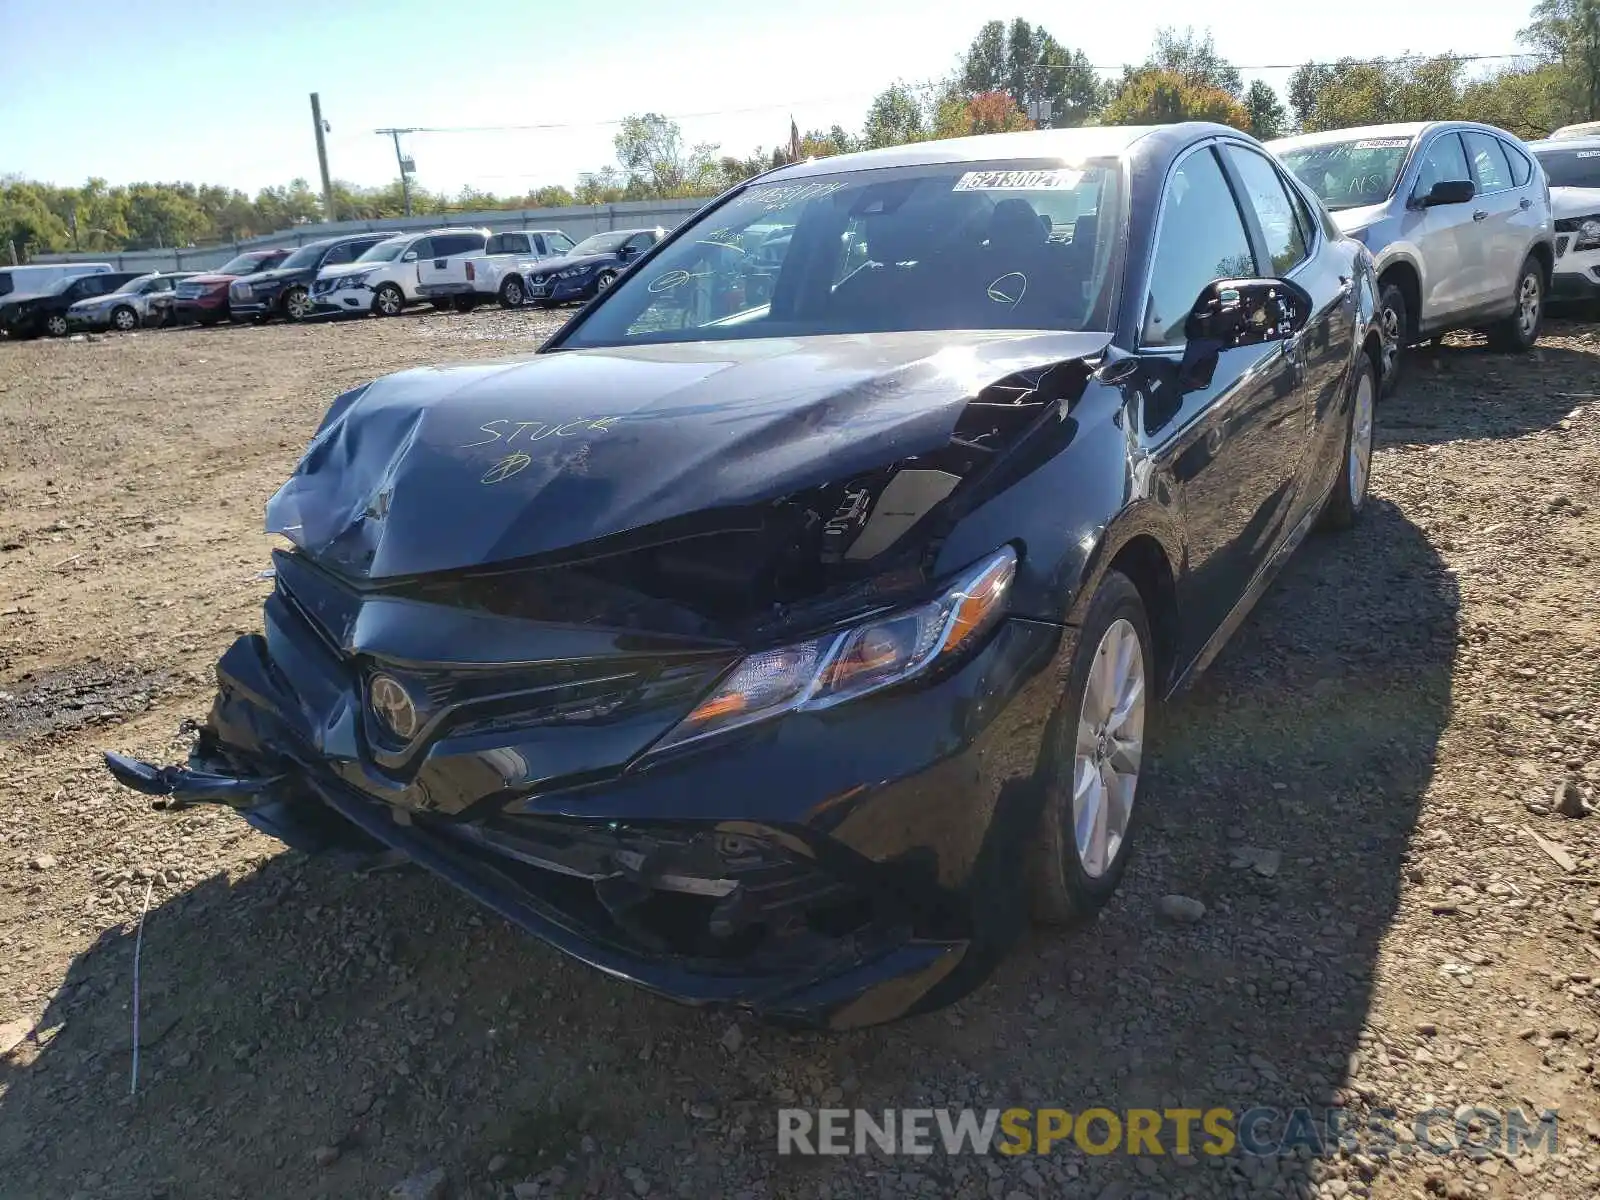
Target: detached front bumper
[[343, 300], [837, 869]]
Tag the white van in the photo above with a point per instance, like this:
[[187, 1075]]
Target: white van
[[33, 280]]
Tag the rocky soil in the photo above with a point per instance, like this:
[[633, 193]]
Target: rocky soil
[[1380, 797]]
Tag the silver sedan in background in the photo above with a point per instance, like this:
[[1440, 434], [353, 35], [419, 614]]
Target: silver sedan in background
[[147, 300]]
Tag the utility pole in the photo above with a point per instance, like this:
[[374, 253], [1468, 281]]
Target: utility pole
[[407, 166], [322, 158]]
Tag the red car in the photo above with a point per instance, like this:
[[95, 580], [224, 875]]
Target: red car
[[204, 298]]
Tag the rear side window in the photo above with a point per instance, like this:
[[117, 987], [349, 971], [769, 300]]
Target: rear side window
[[447, 244], [1265, 193], [1489, 166], [1521, 168], [1202, 238]]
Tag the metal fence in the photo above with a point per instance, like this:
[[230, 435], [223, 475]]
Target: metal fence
[[579, 221]]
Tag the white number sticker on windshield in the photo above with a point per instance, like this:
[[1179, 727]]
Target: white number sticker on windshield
[[1383, 144], [1588, 154], [1055, 179]]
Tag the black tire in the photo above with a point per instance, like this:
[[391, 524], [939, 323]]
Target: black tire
[[440, 305], [1348, 500], [1518, 333], [463, 304], [124, 319], [1395, 316], [208, 322], [1061, 889], [388, 301], [511, 292]]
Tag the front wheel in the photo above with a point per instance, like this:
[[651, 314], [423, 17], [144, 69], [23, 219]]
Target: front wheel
[[1518, 332], [1348, 499], [124, 318], [56, 325], [297, 304], [388, 301], [604, 280], [1092, 758], [511, 293]]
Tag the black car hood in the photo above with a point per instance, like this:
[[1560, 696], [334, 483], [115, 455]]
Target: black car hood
[[451, 467], [278, 275], [566, 262]]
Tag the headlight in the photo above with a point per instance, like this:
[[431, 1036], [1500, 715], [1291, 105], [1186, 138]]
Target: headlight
[[1588, 234], [573, 272], [850, 663], [359, 279]]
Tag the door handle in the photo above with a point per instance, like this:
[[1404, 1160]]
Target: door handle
[[1525, 203], [1479, 215]]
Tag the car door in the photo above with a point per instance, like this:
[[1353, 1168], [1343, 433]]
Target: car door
[[1291, 247], [420, 251], [1495, 210], [1224, 446], [1446, 242], [1531, 220]]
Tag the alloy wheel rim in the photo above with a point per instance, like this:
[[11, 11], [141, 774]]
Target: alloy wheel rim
[[1391, 338], [1109, 750], [1361, 440], [123, 319], [603, 282], [388, 303], [296, 304], [514, 292], [57, 325], [1528, 303]]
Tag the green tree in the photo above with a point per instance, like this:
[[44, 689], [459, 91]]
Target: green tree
[[1526, 101], [1025, 62], [1154, 96], [1567, 33], [895, 117], [656, 163], [1351, 92], [1194, 58], [1265, 110], [987, 112]]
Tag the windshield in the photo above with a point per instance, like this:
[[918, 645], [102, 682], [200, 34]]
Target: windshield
[[1570, 168], [384, 252], [1350, 174], [61, 285], [600, 243], [306, 256], [134, 285], [1008, 245], [245, 264]]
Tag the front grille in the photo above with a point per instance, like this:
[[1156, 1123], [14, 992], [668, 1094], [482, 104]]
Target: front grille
[[240, 291], [1562, 244]]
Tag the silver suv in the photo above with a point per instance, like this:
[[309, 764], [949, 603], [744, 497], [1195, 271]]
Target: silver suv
[[1457, 216]]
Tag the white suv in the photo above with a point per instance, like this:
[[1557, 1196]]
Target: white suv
[[1572, 165], [384, 279]]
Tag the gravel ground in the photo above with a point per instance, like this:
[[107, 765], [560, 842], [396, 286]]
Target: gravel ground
[[1379, 793]]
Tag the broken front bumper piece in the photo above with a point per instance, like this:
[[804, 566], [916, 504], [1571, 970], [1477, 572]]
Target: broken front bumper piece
[[838, 869]]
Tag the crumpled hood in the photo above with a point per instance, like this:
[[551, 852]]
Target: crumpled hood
[[447, 467], [1568, 202], [1358, 218]]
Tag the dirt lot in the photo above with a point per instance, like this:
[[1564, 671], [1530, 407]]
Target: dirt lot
[[1402, 720]]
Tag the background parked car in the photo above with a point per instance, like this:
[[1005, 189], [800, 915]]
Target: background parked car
[[589, 267], [24, 316], [1582, 129], [1457, 216], [499, 271], [385, 278], [35, 279], [440, 247], [204, 297], [147, 300], [285, 290], [1572, 167]]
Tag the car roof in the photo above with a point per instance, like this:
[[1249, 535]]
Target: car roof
[[1589, 142], [1395, 129], [1095, 141]]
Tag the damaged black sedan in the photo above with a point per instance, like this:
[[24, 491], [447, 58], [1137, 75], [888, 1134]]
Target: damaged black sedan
[[789, 629]]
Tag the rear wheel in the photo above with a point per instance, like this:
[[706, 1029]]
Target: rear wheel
[[511, 293], [1395, 318], [297, 304], [1348, 499], [464, 304], [1092, 759], [388, 301], [124, 318], [1518, 332], [440, 305]]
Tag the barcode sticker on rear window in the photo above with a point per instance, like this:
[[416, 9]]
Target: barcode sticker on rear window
[[1056, 179], [1383, 143]]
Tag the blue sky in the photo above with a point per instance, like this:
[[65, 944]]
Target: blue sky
[[216, 90]]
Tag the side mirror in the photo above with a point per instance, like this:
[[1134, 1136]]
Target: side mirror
[[1449, 191], [409, 256], [1230, 313]]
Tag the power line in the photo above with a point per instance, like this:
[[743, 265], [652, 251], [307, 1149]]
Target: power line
[[789, 104]]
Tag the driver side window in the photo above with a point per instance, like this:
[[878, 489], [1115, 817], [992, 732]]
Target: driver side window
[[1442, 162], [1201, 238]]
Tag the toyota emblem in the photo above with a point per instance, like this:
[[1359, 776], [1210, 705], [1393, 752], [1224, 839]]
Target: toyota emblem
[[392, 705]]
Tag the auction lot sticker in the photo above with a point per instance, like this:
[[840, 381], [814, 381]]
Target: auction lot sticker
[[1054, 179]]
